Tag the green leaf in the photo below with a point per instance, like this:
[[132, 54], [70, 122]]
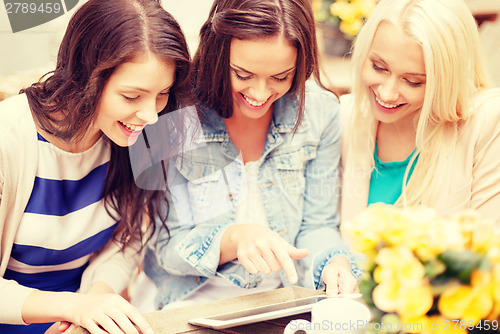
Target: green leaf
[[460, 264], [434, 268], [366, 287]]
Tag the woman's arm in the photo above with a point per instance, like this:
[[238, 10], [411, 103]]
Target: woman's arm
[[485, 197], [21, 305], [12, 298], [259, 249], [320, 226], [92, 310], [112, 265]]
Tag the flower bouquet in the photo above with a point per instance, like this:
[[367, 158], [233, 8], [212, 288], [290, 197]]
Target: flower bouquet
[[428, 274], [349, 15]]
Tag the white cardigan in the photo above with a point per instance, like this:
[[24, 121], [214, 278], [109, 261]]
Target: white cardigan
[[472, 178], [18, 166]]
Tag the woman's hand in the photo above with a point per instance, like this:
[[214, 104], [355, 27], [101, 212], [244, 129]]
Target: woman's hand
[[338, 277], [259, 249], [99, 311], [104, 313], [59, 327]]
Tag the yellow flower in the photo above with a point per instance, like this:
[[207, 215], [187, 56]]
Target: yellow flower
[[343, 9], [402, 287], [386, 296], [467, 220], [352, 13], [494, 253], [405, 245], [400, 264], [397, 233], [351, 27], [416, 228], [426, 253], [480, 234], [362, 242], [454, 301], [437, 234], [365, 231], [469, 303], [416, 302], [408, 302], [495, 313]]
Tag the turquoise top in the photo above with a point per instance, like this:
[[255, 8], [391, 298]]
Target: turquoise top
[[387, 179]]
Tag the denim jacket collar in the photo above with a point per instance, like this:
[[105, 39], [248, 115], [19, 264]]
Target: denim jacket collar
[[285, 113], [284, 117]]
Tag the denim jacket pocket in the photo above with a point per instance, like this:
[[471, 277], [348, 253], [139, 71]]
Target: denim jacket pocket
[[211, 189], [291, 167]]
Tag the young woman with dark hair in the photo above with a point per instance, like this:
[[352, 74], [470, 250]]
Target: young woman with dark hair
[[71, 213], [261, 196]]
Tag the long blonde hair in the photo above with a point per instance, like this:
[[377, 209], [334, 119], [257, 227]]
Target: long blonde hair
[[454, 66]]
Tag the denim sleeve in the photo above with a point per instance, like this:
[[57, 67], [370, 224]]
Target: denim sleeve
[[320, 225], [188, 248]]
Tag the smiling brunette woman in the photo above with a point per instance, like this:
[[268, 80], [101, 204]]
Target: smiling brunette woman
[[70, 212], [422, 124], [255, 208]]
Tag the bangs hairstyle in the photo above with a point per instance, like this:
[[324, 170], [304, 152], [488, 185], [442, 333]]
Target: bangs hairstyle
[[250, 20], [102, 35], [455, 73]]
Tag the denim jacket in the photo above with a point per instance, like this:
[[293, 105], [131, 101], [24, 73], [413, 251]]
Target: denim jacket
[[298, 183]]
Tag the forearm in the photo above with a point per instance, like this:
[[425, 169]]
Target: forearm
[[12, 298], [191, 251], [48, 306], [45, 306], [112, 266], [100, 287], [228, 249], [97, 311], [325, 246]]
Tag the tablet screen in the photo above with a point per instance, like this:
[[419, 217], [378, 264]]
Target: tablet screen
[[256, 314]]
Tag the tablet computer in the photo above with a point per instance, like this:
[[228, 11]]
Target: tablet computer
[[257, 314]]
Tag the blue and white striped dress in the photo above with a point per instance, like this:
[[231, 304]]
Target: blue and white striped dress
[[63, 224]]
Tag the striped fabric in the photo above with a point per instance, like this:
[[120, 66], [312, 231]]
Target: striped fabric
[[63, 224]]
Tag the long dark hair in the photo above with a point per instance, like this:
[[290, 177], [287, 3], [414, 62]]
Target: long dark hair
[[100, 36], [250, 19]]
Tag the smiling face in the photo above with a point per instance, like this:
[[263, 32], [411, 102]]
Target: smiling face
[[394, 75], [262, 71], [132, 97]]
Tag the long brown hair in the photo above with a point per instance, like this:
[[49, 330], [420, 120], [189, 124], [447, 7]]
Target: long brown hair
[[100, 36], [251, 19]]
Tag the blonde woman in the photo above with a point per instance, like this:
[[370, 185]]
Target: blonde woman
[[422, 126]]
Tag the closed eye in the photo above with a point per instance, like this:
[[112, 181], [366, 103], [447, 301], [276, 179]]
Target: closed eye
[[281, 79], [130, 98], [377, 68], [242, 77], [414, 84]]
